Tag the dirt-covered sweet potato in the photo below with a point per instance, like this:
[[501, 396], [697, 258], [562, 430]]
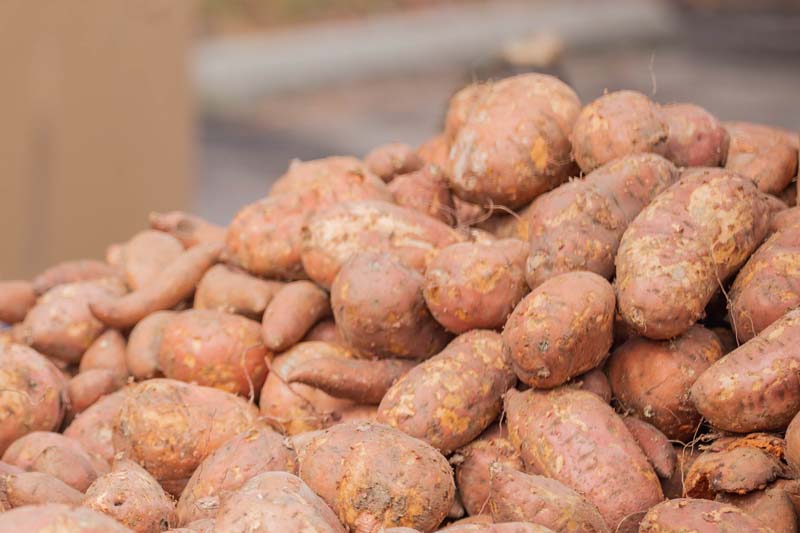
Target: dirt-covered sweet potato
[[651, 379], [72, 272], [768, 285], [246, 455], [655, 445], [16, 299], [189, 229], [168, 288], [89, 386], [33, 488], [519, 497], [215, 349], [595, 381], [561, 329], [615, 125], [473, 286], [336, 234], [579, 225], [771, 506], [93, 428], [682, 247], [451, 398], [146, 255], [390, 160], [765, 155], [144, 344], [169, 427], [374, 476], [61, 325], [52, 517], [231, 291], [696, 138], [426, 191], [755, 387], [513, 144], [131, 496], [574, 437], [107, 352], [278, 501], [673, 486], [702, 516], [380, 310], [293, 310], [32, 393]]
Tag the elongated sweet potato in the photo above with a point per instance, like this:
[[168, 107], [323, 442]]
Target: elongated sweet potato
[[756, 386], [772, 507], [93, 428], [473, 286], [579, 225], [58, 517], [72, 272], [380, 310], [280, 501], [294, 309], [190, 229], [133, 497], [144, 344], [146, 255], [224, 289], [33, 488], [16, 299], [374, 476], [215, 349], [561, 329], [390, 160], [107, 352], [519, 497], [654, 444], [763, 154], [169, 427], [246, 455], [702, 516], [615, 125], [696, 138], [336, 234], [89, 386], [681, 247], [651, 379], [425, 190], [574, 437], [172, 285], [451, 398]]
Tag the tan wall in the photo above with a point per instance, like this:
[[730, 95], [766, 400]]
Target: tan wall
[[95, 124]]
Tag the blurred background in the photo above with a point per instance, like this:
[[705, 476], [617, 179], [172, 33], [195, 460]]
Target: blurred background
[[111, 109]]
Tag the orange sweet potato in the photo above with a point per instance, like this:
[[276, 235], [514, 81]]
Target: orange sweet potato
[[390, 160], [189, 229], [231, 291], [654, 444], [72, 272], [594, 381], [107, 352], [330, 179], [765, 155], [292, 312], [325, 331], [702, 516], [93, 428], [146, 255], [16, 299], [144, 344], [33, 488], [434, 151], [59, 517], [425, 190], [696, 138], [88, 386], [506, 527], [460, 107]]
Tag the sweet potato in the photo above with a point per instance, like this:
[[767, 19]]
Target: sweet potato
[[765, 155], [784, 219], [331, 180], [696, 138], [16, 299], [792, 488], [172, 285], [58, 517], [738, 469], [768, 285], [651, 379], [246, 455], [72, 272], [215, 349], [334, 235], [107, 352], [132, 497], [507, 527], [473, 286], [33, 488], [294, 309], [93, 428], [146, 255], [144, 344], [169, 427], [206, 525], [770, 506], [225, 289], [189, 229], [277, 500], [561, 329], [451, 398], [574, 437], [519, 497], [756, 386], [793, 444], [681, 247], [579, 225], [374, 476], [654, 444], [390, 160], [702, 516], [325, 331], [61, 325], [89, 386], [379, 308], [615, 125], [594, 381], [425, 190], [460, 107], [434, 151], [673, 486], [513, 145]]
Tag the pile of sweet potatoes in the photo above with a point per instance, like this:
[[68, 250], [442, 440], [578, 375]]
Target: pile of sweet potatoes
[[549, 318]]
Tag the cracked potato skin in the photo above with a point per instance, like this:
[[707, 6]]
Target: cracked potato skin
[[702, 516], [452, 397], [696, 138], [681, 247]]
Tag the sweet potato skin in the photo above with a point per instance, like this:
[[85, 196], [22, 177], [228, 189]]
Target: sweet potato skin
[[783, 219], [390, 160], [703, 516], [561, 329], [72, 272], [32, 488], [89, 386], [107, 352], [144, 344], [16, 299], [705, 226], [476, 286], [655, 445], [331, 180], [59, 517], [374, 476], [460, 107], [507, 527], [224, 289], [93, 428], [579, 225], [595, 381], [696, 138], [425, 190], [771, 506], [573, 437], [434, 151], [294, 310], [379, 308], [738, 471], [146, 254], [189, 229], [762, 154], [651, 379], [756, 386]]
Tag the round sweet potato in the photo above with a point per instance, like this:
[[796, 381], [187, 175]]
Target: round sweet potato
[[190, 229], [473, 286], [224, 289], [59, 517], [16, 299], [72, 272], [390, 160], [561, 329], [293, 311], [93, 428], [702, 516], [765, 155], [146, 254], [144, 344], [426, 191], [696, 138]]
